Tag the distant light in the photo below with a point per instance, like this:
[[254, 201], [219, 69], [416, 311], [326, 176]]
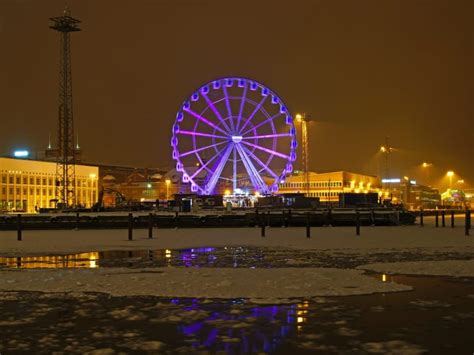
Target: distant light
[[413, 182], [21, 153], [227, 192], [406, 178], [391, 181], [148, 185], [450, 173], [383, 149]]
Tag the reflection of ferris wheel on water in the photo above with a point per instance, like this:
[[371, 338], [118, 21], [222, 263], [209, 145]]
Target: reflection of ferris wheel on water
[[234, 132]]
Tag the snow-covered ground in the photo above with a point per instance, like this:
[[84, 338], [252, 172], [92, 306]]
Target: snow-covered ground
[[261, 285], [457, 268], [323, 238]]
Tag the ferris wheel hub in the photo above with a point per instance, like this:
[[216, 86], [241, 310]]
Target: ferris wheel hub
[[236, 139]]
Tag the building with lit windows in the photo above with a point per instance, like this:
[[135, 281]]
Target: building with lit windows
[[28, 185], [328, 186]]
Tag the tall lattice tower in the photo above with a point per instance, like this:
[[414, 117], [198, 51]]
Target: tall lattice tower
[[66, 152]]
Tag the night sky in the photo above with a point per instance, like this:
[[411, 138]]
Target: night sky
[[363, 69]]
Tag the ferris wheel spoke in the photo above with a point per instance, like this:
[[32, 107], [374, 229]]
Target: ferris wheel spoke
[[214, 177], [254, 112], [191, 133], [204, 120], [234, 181], [251, 170], [216, 112], [200, 149], [276, 135], [262, 123], [227, 102], [205, 165], [262, 164], [269, 151], [241, 110]]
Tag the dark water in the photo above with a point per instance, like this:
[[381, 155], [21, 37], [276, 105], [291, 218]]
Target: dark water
[[437, 316], [223, 257]]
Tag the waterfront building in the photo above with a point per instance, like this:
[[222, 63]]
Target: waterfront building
[[27, 185], [328, 186]]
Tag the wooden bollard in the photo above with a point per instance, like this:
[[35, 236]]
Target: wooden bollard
[[329, 217], [357, 223], [77, 220], [437, 218], [443, 218], [262, 223], [467, 223], [308, 226], [372, 217], [150, 226], [289, 217], [130, 226], [257, 219], [176, 219], [452, 219], [268, 219], [19, 227], [421, 218]]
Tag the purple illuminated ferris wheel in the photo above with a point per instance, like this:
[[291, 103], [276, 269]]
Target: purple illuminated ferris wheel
[[234, 133]]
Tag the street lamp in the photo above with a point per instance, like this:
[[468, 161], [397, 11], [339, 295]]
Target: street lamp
[[450, 174], [168, 182], [426, 167]]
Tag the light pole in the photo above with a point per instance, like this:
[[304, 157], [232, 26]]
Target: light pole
[[426, 167], [386, 150], [168, 182], [92, 177], [304, 119], [450, 174]]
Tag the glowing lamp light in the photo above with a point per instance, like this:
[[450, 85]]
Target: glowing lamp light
[[21, 153], [383, 149], [450, 173], [227, 192]]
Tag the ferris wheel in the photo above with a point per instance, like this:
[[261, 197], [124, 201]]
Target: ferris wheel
[[234, 133]]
